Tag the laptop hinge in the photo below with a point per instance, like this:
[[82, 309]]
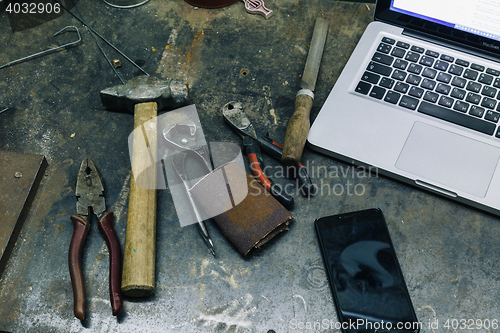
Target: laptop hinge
[[452, 45]]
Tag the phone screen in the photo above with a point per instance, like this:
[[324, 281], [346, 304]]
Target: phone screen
[[364, 275]]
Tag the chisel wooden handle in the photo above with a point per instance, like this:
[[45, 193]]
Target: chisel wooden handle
[[80, 229], [138, 278], [298, 128]]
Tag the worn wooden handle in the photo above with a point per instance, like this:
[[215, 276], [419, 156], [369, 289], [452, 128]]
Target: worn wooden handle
[[297, 130], [138, 278]]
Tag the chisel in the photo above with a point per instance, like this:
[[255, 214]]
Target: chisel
[[299, 123]]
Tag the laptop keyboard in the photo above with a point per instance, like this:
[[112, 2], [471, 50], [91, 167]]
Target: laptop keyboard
[[434, 84]]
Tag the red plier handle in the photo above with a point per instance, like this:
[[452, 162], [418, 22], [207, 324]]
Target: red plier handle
[[81, 227], [256, 165]]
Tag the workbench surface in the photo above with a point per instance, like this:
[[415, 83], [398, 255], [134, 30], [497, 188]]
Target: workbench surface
[[449, 253]]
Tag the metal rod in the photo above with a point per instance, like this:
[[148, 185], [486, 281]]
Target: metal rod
[[104, 39], [98, 45], [49, 50]]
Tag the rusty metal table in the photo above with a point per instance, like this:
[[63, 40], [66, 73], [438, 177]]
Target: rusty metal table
[[449, 253]]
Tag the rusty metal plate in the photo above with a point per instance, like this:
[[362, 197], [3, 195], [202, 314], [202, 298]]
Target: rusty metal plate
[[20, 175]]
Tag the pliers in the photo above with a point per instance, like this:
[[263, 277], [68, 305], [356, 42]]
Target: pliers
[[252, 141], [89, 193]]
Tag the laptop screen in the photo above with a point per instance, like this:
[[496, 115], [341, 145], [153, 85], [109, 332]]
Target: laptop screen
[[480, 17], [465, 24]]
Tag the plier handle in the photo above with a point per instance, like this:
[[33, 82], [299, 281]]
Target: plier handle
[[89, 193]]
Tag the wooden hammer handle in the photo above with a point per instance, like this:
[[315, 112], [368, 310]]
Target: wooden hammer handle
[[138, 278], [297, 130]]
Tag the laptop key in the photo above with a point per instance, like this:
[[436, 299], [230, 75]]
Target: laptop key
[[428, 84], [429, 72], [462, 62], [441, 65], [461, 106], [477, 111], [388, 40], [370, 77], [400, 64], [492, 116], [377, 92], [433, 54], [456, 70], [458, 82], [379, 68], [470, 74], [443, 77], [415, 69], [397, 52], [489, 91], [485, 78], [474, 86], [386, 82], [399, 75], [426, 61], [384, 48], [443, 89], [401, 87], [414, 79], [382, 58], [489, 103], [458, 118], [473, 98], [477, 67], [412, 56], [403, 45], [416, 92], [493, 72], [431, 96], [392, 97], [446, 101], [363, 88], [458, 93], [447, 58], [417, 49], [496, 83], [409, 102]]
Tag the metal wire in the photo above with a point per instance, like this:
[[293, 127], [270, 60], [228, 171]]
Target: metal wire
[[49, 50], [104, 39]]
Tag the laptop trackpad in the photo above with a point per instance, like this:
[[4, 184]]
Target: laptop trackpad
[[449, 159]]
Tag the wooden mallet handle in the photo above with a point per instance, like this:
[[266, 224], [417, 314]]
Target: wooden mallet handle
[[138, 278], [298, 128]]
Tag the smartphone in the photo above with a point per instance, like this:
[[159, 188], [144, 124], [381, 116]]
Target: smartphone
[[367, 284]]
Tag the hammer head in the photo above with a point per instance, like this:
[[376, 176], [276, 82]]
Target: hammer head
[[143, 89]]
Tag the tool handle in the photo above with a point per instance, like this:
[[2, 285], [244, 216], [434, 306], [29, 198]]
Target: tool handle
[[138, 278], [297, 129], [307, 188], [256, 165], [105, 226], [80, 229]]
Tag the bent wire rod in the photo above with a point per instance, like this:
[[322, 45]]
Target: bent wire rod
[[49, 50]]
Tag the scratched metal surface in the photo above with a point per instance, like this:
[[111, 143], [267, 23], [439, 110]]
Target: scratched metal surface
[[449, 253]]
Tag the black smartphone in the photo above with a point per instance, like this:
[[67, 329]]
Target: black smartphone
[[368, 287]]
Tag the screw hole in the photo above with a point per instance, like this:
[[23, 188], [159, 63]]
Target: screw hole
[[244, 71]]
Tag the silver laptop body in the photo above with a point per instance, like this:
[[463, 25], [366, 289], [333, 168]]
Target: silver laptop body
[[384, 114]]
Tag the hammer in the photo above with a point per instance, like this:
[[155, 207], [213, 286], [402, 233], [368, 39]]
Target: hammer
[[143, 95]]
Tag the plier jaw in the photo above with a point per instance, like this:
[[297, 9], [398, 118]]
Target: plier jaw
[[89, 190]]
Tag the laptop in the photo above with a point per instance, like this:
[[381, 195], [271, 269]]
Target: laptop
[[419, 99]]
